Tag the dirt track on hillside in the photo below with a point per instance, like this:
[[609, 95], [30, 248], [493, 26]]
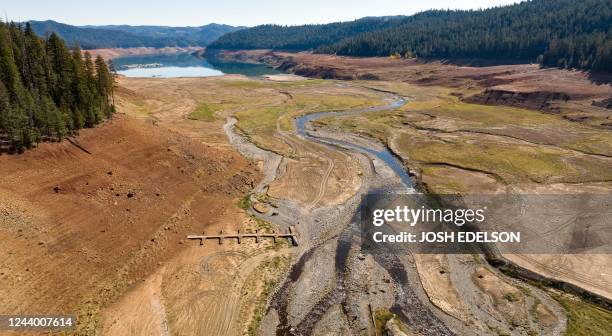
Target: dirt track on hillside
[[79, 228]]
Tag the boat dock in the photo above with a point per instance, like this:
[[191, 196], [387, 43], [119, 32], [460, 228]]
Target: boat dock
[[291, 235]]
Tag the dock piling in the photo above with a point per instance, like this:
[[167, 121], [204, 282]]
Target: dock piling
[[292, 235]]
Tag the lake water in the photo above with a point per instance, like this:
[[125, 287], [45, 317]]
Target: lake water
[[185, 65]]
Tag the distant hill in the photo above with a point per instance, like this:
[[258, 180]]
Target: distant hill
[[188, 36], [559, 33], [124, 36], [301, 37], [563, 33]]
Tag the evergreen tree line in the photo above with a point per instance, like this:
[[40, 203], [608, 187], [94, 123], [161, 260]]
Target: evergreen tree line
[[563, 33], [560, 33], [300, 37], [47, 91]]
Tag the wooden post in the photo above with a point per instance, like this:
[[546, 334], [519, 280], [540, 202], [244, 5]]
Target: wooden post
[[293, 236]]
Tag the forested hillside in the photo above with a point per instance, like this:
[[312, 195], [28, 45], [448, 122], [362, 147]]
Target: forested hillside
[[48, 91], [564, 33], [89, 38], [560, 33], [175, 36], [300, 37], [124, 36]]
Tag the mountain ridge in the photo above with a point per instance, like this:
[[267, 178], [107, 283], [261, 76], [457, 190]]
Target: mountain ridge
[[127, 36], [556, 33], [302, 37]]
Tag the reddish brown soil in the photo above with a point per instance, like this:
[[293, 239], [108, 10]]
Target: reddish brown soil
[[516, 77], [78, 229]]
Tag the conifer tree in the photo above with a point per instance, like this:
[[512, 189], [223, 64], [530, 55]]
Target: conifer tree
[[5, 105], [46, 90], [105, 85]]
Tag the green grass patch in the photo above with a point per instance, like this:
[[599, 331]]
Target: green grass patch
[[245, 202], [493, 116], [514, 163], [356, 124], [263, 225], [585, 319], [507, 161], [382, 316], [317, 102], [270, 270], [203, 112], [260, 123], [259, 119], [268, 286], [441, 183], [597, 143]]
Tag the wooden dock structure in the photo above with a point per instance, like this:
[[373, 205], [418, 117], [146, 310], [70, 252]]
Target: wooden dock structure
[[291, 235]]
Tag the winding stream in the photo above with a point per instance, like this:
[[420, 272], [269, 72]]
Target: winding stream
[[383, 154], [410, 302], [407, 303]]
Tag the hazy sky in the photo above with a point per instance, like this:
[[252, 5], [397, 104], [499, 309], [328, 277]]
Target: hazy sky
[[234, 12]]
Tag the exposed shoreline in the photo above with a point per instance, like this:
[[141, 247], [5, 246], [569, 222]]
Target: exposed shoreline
[[111, 53], [423, 316]]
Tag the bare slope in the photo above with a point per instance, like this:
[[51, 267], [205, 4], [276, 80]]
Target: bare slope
[[80, 224]]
